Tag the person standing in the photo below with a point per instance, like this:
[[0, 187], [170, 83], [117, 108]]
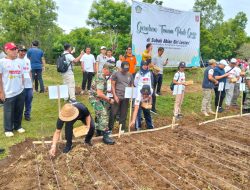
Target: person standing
[[131, 59], [220, 76], [101, 59], [120, 80], [88, 69], [37, 61], [179, 89], [232, 78], [28, 90], [207, 87], [143, 77], [147, 54], [246, 102], [69, 115], [236, 92], [159, 62], [100, 102], [68, 76], [12, 90]]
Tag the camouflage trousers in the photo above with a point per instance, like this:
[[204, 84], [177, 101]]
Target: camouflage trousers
[[101, 114]]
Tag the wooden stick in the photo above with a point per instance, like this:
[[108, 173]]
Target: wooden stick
[[217, 108], [241, 104], [173, 122], [115, 135], [59, 106], [120, 128], [130, 108]]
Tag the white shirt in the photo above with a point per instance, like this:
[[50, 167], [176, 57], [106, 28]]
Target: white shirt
[[101, 59], [69, 59], [140, 80], [88, 62], [26, 72], [179, 77], [238, 71], [12, 73], [118, 64]]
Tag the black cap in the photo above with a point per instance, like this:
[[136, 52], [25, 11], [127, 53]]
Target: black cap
[[22, 48], [125, 66], [145, 90], [144, 63], [182, 64]]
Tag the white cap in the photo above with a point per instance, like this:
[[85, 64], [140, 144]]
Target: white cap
[[103, 47], [233, 60], [223, 62]]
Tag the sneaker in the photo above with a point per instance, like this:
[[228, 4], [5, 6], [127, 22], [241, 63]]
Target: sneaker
[[212, 112], [67, 149], [220, 110], [21, 130], [27, 118], [9, 134], [153, 111], [177, 117], [138, 129], [180, 115], [205, 113]]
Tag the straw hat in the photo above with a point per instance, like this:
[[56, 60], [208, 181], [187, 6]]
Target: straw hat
[[68, 112]]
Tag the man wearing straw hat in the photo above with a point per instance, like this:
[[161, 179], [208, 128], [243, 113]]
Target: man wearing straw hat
[[100, 101], [69, 114]]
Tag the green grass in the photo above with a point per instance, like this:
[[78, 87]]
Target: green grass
[[45, 112]]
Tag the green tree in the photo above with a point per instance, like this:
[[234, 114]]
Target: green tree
[[243, 52], [153, 1]]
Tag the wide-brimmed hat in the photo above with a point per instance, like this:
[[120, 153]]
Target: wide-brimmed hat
[[68, 112]]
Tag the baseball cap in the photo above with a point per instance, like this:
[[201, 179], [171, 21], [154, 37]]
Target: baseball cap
[[10, 46], [223, 62], [103, 47], [145, 90], [144, 63], [233, 60], [22, 48], [125, 66], [182, 64]]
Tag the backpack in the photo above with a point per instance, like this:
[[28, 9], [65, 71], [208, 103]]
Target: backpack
[[61, 64], [172, 84]]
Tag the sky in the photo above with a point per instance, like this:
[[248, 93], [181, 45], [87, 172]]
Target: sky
[[73, 14]]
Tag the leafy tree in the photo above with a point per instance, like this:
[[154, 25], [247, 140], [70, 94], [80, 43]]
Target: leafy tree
[[153, 1], [243, 52]]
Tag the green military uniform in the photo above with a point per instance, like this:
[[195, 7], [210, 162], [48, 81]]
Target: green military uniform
[[100, 83], [246, 105]]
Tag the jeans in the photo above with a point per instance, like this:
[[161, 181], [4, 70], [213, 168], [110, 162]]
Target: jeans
[[155, 79], [69, 132], [13, 112], [38, 72], [121, 108], [28, 101], [217, 95], [159, 83], [87, 76], [147, 116]]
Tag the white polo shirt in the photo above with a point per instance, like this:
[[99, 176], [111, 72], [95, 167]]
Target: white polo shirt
[[88, 62]]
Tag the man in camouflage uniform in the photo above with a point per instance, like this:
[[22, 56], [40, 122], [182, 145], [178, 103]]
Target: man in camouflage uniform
[[99, 100], [246, 103]]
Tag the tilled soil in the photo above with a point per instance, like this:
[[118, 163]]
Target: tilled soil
[[212, 156]]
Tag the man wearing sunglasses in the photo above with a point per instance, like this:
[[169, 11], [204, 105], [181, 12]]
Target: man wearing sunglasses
[[12, 90]]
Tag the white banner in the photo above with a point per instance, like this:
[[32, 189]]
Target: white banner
[[178, 32]]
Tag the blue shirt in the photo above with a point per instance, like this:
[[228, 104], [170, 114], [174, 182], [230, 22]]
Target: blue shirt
[[35, 55], [219, 72]]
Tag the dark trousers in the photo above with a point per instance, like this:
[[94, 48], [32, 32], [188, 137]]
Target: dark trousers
[[36, 83], [154, 91], [28, 101], [159, 83], [13, 112], [87, 77], [147, 116], [217, 95], [122, 109], [69, 132], [38, 72]]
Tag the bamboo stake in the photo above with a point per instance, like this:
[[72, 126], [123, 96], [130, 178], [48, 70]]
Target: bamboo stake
[[217, 108], [130, 108], [120, 128]]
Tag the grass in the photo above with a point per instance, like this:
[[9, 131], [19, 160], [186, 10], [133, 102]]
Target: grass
[[45, 112]]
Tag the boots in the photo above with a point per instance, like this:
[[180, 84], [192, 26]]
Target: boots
[[107, 139]]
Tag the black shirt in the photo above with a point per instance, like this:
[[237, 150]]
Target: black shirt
[[83, 113]]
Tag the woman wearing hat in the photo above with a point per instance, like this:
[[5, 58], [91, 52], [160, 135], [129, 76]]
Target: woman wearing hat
[[69, 114]]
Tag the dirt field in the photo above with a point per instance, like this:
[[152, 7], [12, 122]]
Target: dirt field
[[214, 156]]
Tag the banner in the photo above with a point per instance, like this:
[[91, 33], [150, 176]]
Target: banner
[[178, 32]]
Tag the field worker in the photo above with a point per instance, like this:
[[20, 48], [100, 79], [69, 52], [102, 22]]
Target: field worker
[[179, 81], [88, 69], [143, 77], [120, 80], [12, 90], [246, 103], [232, 78], [131, 59], [145, 98], [207, 87], [159, 62], [236, 92], [37, 61], [28, 89], [220, 76], [101, 59], [100, 102], [68, 76], [147, 54], [69, 114]]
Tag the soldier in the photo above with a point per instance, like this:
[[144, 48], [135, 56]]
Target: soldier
[[99, 100], [246, 106]]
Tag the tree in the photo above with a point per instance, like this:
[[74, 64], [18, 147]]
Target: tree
[[153, 1], [211, 12], [243, 52]]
